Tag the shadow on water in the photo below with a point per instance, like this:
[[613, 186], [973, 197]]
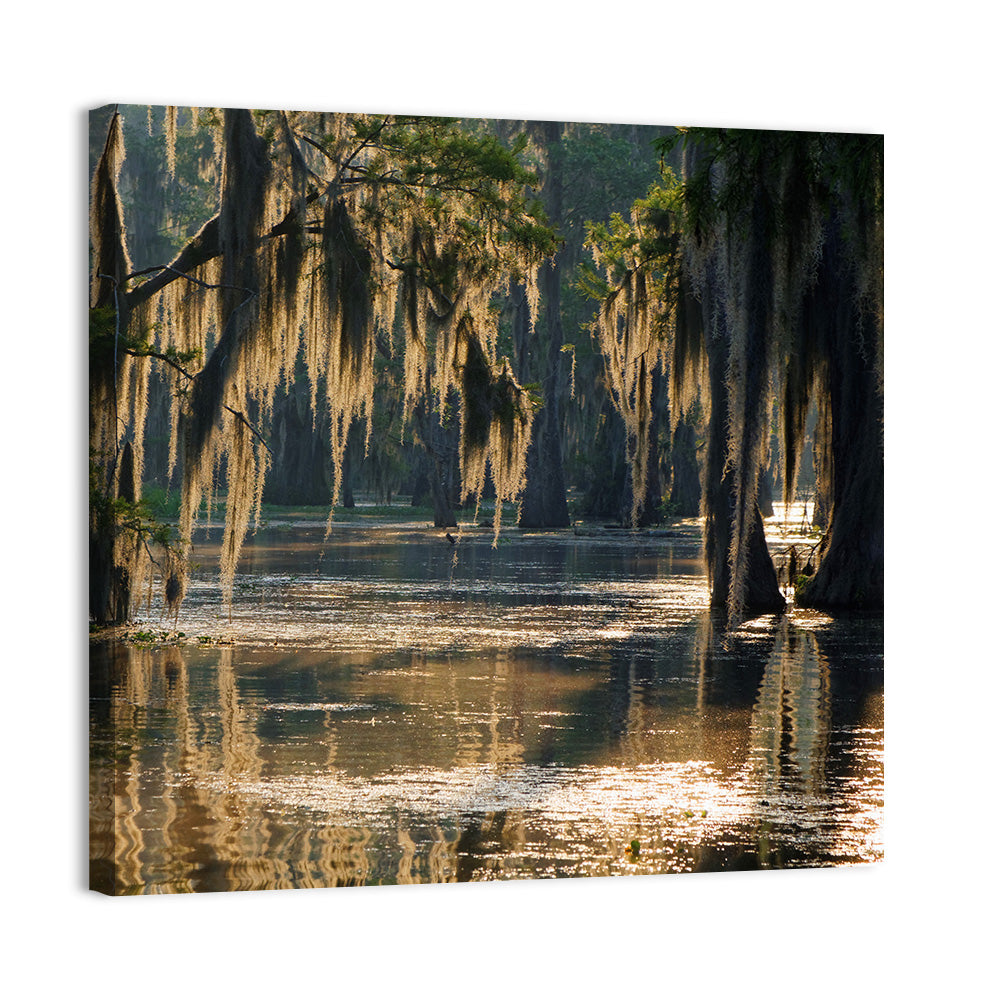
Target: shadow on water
[[582, 698]]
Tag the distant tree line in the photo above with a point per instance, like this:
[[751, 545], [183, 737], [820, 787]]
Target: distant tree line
[[293, 307]]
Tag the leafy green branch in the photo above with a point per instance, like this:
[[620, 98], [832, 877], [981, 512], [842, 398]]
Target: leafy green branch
[[649, 243], [119, 514]]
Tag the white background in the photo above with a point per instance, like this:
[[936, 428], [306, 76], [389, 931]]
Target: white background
[[921, 924]]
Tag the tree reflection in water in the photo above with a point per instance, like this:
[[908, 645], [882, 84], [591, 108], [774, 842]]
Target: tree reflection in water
[[244, 768]]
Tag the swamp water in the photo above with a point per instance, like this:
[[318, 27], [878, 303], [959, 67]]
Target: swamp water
[[384, 707]]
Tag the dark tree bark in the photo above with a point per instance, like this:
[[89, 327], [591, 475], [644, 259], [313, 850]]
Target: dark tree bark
[[823, 466], [543, 503], [112, 550], [606, 479], [112, 474], [444, 511], [420, 491], [544, 500], [852, 552], [762, 591], [301, 470], [649, 511], [440, 444], [765, 492], [685, 484], [347, 472]]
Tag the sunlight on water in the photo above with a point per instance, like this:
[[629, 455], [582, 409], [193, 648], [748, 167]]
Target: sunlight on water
[[323, 611], [381, 708], [433, 598], [665, 805]]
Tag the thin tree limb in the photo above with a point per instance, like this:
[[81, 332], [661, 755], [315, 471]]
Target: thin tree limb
[[183, 371]]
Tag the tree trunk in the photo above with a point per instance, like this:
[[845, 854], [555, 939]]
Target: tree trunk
[[852, 553], [762, 591], [606, 466], [765, 492], [650, 508], [112, 551], [440, 444], [444, 512], [110, 581], [685, 484], [543, 503], [762, 580], [823, 466], [420, 491], [301, 465], [347, 472]]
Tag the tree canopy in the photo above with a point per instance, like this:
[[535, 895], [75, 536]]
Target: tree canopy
[[413, 271], [328, 227], [757, 276]]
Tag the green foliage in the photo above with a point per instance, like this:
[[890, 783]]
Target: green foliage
[[650, 242], [117, 514], [734, 171], [115, 517], [425, 161], [161, 504], [102, 331], [605, 167], [107, 340], [668, 509], [149, 637]]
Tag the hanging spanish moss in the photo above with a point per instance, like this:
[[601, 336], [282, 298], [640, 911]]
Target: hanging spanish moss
[[170, 131], [634, 338], [330, 229], [119, 553], [773, 292], [110, 260], [495, 424], [762, 214]]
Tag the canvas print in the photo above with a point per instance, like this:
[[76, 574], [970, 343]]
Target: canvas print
[[480, 499]]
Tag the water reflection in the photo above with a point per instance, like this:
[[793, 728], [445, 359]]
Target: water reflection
[[790, 726], [475, 754]]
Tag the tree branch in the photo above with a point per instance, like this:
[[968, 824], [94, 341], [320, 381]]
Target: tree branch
[[204, 246], [166, 359], [186, 277], [250, 427], [200, 249]]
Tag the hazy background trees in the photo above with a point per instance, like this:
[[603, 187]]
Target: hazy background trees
[[692, 320], [585, 171]]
